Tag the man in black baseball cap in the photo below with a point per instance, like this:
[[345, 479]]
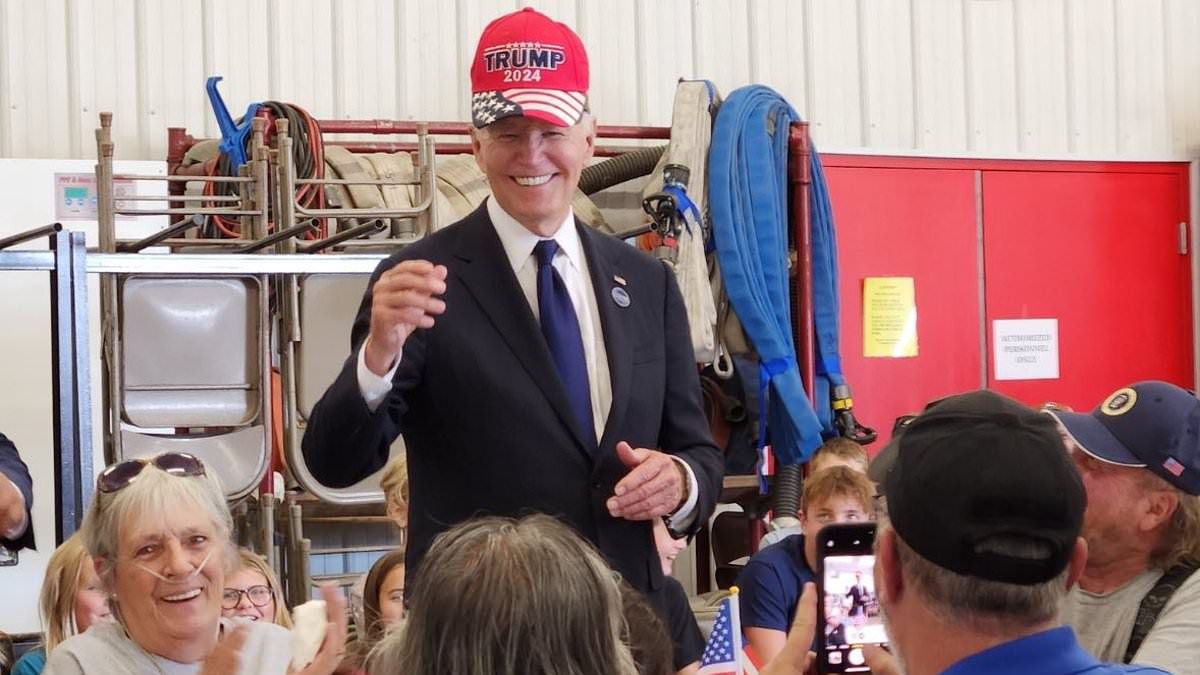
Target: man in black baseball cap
[[1138, 454], [981, 543]]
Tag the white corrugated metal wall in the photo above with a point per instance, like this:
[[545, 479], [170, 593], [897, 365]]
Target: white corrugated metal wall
[[1033, 77]]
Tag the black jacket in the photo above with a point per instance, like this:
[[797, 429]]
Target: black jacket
[[484, 415]]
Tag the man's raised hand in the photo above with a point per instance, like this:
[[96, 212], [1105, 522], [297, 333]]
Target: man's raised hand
[[403, 299]]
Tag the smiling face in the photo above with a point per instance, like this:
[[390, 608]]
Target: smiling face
[[391, 597], [168, 579], [533, 167], [668, 547], [250, 587], [91, 602]]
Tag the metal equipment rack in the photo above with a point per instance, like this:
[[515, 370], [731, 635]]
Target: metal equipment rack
[[69, 262]]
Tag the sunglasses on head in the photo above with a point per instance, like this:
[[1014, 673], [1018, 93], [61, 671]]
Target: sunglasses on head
[[120, 475], [902, 423]]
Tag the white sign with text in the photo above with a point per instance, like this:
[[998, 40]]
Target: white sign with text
[[1025, 349]]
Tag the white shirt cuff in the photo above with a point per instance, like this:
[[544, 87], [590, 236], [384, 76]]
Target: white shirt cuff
[[16, 532], [374, 388], [682, 519]]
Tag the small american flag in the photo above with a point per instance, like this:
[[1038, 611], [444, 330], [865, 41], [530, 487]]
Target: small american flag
[[724, 654], [1173, 466]]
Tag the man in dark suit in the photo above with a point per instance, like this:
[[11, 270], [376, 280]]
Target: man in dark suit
[[859, 596], [16, 498], [531, 363]]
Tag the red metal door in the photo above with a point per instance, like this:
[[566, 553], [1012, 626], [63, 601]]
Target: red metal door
[[1096, 246], [915, 222]]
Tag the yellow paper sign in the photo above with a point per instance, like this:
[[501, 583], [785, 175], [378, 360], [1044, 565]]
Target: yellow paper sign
[[889, 317]]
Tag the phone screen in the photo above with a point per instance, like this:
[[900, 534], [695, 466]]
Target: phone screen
[[852, 616]]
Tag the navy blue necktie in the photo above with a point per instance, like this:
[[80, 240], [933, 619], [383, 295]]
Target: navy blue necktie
[[560, 326]]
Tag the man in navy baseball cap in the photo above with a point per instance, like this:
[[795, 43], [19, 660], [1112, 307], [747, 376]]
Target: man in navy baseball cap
[[1149, 425], [1138, 453]]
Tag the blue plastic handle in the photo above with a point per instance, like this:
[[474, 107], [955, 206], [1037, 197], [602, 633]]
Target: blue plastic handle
[[233, 136]]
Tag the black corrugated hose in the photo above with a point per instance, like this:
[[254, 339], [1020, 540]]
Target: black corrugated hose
[[786, 488], [619, 169]]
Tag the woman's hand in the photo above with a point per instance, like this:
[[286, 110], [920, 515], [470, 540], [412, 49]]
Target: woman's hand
[[333, 648], [227, 657]]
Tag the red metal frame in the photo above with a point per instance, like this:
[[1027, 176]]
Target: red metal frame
[[462, 128], [179, 140], [800, 176]]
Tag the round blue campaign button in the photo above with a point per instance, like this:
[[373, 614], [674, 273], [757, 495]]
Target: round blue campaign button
[[620, 296]]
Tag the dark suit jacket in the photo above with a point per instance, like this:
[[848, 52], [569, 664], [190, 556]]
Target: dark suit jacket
[[16, 471], [484, 414], [835, 637], [858, 598]]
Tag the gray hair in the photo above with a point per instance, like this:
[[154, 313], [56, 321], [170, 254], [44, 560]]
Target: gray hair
[[1179, 542], [498, 596], [154, 493], [982, 605]]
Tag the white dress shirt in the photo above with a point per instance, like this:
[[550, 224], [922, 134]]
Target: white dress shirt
[[18, 529], [571, 264]]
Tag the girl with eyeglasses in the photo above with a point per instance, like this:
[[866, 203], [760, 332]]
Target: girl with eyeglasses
[[252, 592]]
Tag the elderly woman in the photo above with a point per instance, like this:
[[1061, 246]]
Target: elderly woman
[[159, 531], [497, 596]]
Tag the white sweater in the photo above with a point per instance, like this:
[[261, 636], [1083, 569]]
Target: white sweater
[[105, 649]]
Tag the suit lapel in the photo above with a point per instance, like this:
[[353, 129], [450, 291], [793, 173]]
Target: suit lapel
[[604, 267], [490, 280]]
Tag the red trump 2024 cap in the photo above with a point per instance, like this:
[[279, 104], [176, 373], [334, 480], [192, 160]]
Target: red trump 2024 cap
[[528, 64]]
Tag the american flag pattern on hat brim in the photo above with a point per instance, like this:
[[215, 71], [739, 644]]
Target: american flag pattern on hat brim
[[563, 108], [489, 106]]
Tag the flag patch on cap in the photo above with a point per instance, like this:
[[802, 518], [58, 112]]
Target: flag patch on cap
[[1173, 467]]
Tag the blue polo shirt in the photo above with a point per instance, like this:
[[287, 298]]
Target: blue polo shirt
[[770, 585], [1051, 652]]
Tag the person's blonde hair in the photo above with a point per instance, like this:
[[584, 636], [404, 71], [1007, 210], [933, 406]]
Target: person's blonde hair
[[250, 560], [498, 596], [839, 481], [64, 574], [840, 447], [7, 657], [394, 483], [153, 493]]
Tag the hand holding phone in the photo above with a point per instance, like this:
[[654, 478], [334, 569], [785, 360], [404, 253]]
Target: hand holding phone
[[848, 602]]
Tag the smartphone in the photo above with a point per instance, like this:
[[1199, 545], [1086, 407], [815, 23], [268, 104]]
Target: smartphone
[[849, 604]]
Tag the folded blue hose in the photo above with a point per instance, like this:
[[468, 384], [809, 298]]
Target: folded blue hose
[[748, 204]]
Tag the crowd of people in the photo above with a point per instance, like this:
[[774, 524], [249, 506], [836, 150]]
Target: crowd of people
[[1036, 540], [559, 460]]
